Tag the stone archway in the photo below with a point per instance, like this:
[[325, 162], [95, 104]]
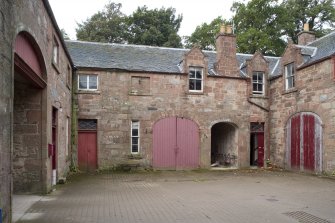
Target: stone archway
[[224, 145], [29, 105]]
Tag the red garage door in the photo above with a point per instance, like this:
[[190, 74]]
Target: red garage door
[[175, 144], [304, 150], [87, 145]]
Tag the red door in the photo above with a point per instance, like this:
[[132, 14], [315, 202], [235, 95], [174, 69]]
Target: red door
[[260, 141], [175, 144], [304, 142], [295, 142], [87, 150]]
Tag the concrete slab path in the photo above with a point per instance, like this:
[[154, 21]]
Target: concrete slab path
[[188, 197]]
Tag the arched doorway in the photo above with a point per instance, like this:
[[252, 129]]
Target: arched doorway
[[224, 145], [29, 121], [175, 144], [304, 142]]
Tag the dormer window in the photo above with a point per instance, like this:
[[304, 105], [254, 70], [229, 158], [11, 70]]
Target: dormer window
[[195, 76], [258, 83], [289, 76]]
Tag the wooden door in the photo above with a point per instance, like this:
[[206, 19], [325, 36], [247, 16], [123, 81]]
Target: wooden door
[[175, 144], [87, 150], [260, 151]]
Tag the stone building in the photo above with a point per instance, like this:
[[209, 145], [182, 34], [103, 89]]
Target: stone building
[[186, 108], [171, 108], [35, 100]]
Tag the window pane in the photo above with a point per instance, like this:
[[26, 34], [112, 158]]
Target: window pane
[[289, 82], [134, 148], [254, 87], [134, 124], [260, 87], [198, 74], [198, 85], [134, 141], [260, 78], [254, 77], [93, 78], [134, 132], [192, 85], [93, 85], [192, 73]]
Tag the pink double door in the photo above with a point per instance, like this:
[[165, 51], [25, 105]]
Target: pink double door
[[175, 144]]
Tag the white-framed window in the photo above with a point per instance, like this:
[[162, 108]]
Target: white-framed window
[[135, 137], [55, 51], [289, 76], [195, 77], [258, 83], [88, 82]]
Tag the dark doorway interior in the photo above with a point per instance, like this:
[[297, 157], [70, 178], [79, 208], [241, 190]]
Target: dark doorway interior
[[257, 144], [224, 145]]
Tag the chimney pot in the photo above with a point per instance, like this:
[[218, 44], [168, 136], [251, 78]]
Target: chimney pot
[[306, 27], [229, 29], [223, 28]]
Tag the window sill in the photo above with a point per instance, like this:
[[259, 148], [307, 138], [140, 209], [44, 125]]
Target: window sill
[[259, 96], [55, 66], [291, 90], [88, 92], [195, 93]]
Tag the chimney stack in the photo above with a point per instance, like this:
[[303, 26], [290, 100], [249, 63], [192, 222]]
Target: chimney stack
[[305, 37], [226, 61]]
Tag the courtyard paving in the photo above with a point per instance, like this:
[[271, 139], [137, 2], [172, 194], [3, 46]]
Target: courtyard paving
[[186, 196]]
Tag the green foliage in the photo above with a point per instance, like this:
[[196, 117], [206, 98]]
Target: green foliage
[[108, 25], [64, 34], [264, 25], [157, 27], [258, 27], [319, 14], [204, 35]]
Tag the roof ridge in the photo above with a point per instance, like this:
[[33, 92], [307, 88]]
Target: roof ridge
[[126, 45]]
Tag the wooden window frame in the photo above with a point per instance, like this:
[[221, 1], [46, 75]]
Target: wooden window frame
[[259, 83], [289, 71], [88, 82], [195, 79], [132, 136]]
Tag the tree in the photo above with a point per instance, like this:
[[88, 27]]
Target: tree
[[64, 34], [258, 27], [204, 35], [108, 25], [319, 14], [148, 27], [155, 27]]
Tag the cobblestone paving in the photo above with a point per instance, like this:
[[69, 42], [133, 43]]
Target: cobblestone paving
[[195, 196]]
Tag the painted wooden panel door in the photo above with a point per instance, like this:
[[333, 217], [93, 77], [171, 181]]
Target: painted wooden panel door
[[87, 151], [305, 142], [187, 144], [295, 142], [165, 143], [309, 147], [260, 140], [175, 144]]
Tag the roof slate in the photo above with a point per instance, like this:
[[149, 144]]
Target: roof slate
[[325, 47], [141, 58]]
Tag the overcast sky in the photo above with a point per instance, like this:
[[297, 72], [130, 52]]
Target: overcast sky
[[69, 12]]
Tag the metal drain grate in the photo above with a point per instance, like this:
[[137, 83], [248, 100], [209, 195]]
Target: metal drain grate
[[304, 217]]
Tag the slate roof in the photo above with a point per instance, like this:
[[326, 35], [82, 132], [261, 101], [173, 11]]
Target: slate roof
[[325, 47], [142, 58]]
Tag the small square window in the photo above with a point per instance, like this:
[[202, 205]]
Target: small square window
[[258, 83], [135, 137], [88, 82], [195, 77], [289, 76]]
